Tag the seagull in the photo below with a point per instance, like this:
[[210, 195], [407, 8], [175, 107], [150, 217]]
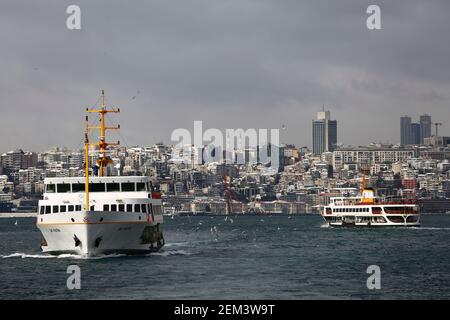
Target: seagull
[[15, 223], [137, 93]]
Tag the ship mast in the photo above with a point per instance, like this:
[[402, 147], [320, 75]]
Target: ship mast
[[103, 159], [86, 152]]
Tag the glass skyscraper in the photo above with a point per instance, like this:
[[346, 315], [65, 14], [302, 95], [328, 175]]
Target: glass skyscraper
[[324, 133], [414, 133], [405, 131], [425, 127]]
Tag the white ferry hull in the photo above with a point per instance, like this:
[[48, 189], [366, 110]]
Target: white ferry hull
[[94, 233], [374, 224]]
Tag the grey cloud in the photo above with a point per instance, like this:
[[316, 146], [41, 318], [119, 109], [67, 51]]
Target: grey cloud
[[238, 63]]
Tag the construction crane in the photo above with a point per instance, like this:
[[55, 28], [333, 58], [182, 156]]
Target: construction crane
[[227, 182], [437, 124]]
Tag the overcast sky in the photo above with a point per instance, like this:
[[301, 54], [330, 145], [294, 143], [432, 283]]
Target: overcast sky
[[230, 63]]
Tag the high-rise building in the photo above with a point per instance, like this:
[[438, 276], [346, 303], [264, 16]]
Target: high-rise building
[[416, 133], [405, 131], [324, 131], [425, 127]]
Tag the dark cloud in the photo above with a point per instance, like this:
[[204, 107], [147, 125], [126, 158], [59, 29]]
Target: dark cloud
[[236, 63]]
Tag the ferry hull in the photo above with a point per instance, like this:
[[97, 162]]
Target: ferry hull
[[373, 225], [371, 221], [97, 233]]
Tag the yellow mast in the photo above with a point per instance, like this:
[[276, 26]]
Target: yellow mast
[[86, 145], [103, 160]]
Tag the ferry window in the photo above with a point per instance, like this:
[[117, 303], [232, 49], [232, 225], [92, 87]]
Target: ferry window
[[113, 187], [97, 187], [70, 208], [128, 186], [121, 208], [92, 208], [51, 188], [114, 207], [137, 208], [42, 209], [55, 209], [63, 188], [78, 187], [78, 207], [140, 186], [129, 208], [62, 209], [143, 208], [106, 207], [48, 209]]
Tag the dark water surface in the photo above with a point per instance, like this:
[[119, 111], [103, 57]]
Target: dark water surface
[[240, 258]]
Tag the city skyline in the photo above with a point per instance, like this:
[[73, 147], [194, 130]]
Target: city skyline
[[231, 65]]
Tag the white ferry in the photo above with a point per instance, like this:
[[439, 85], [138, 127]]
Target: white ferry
[[102, 214], [368, 211]]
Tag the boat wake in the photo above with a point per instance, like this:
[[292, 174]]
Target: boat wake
[[81, 257], [429, 228], [61, 256], [24, 255], [170, 253]]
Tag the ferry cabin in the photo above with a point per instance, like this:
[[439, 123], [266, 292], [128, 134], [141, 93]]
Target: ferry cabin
[[107, 194]]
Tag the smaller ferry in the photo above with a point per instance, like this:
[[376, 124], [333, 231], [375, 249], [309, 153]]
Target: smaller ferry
[[367, 210]]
